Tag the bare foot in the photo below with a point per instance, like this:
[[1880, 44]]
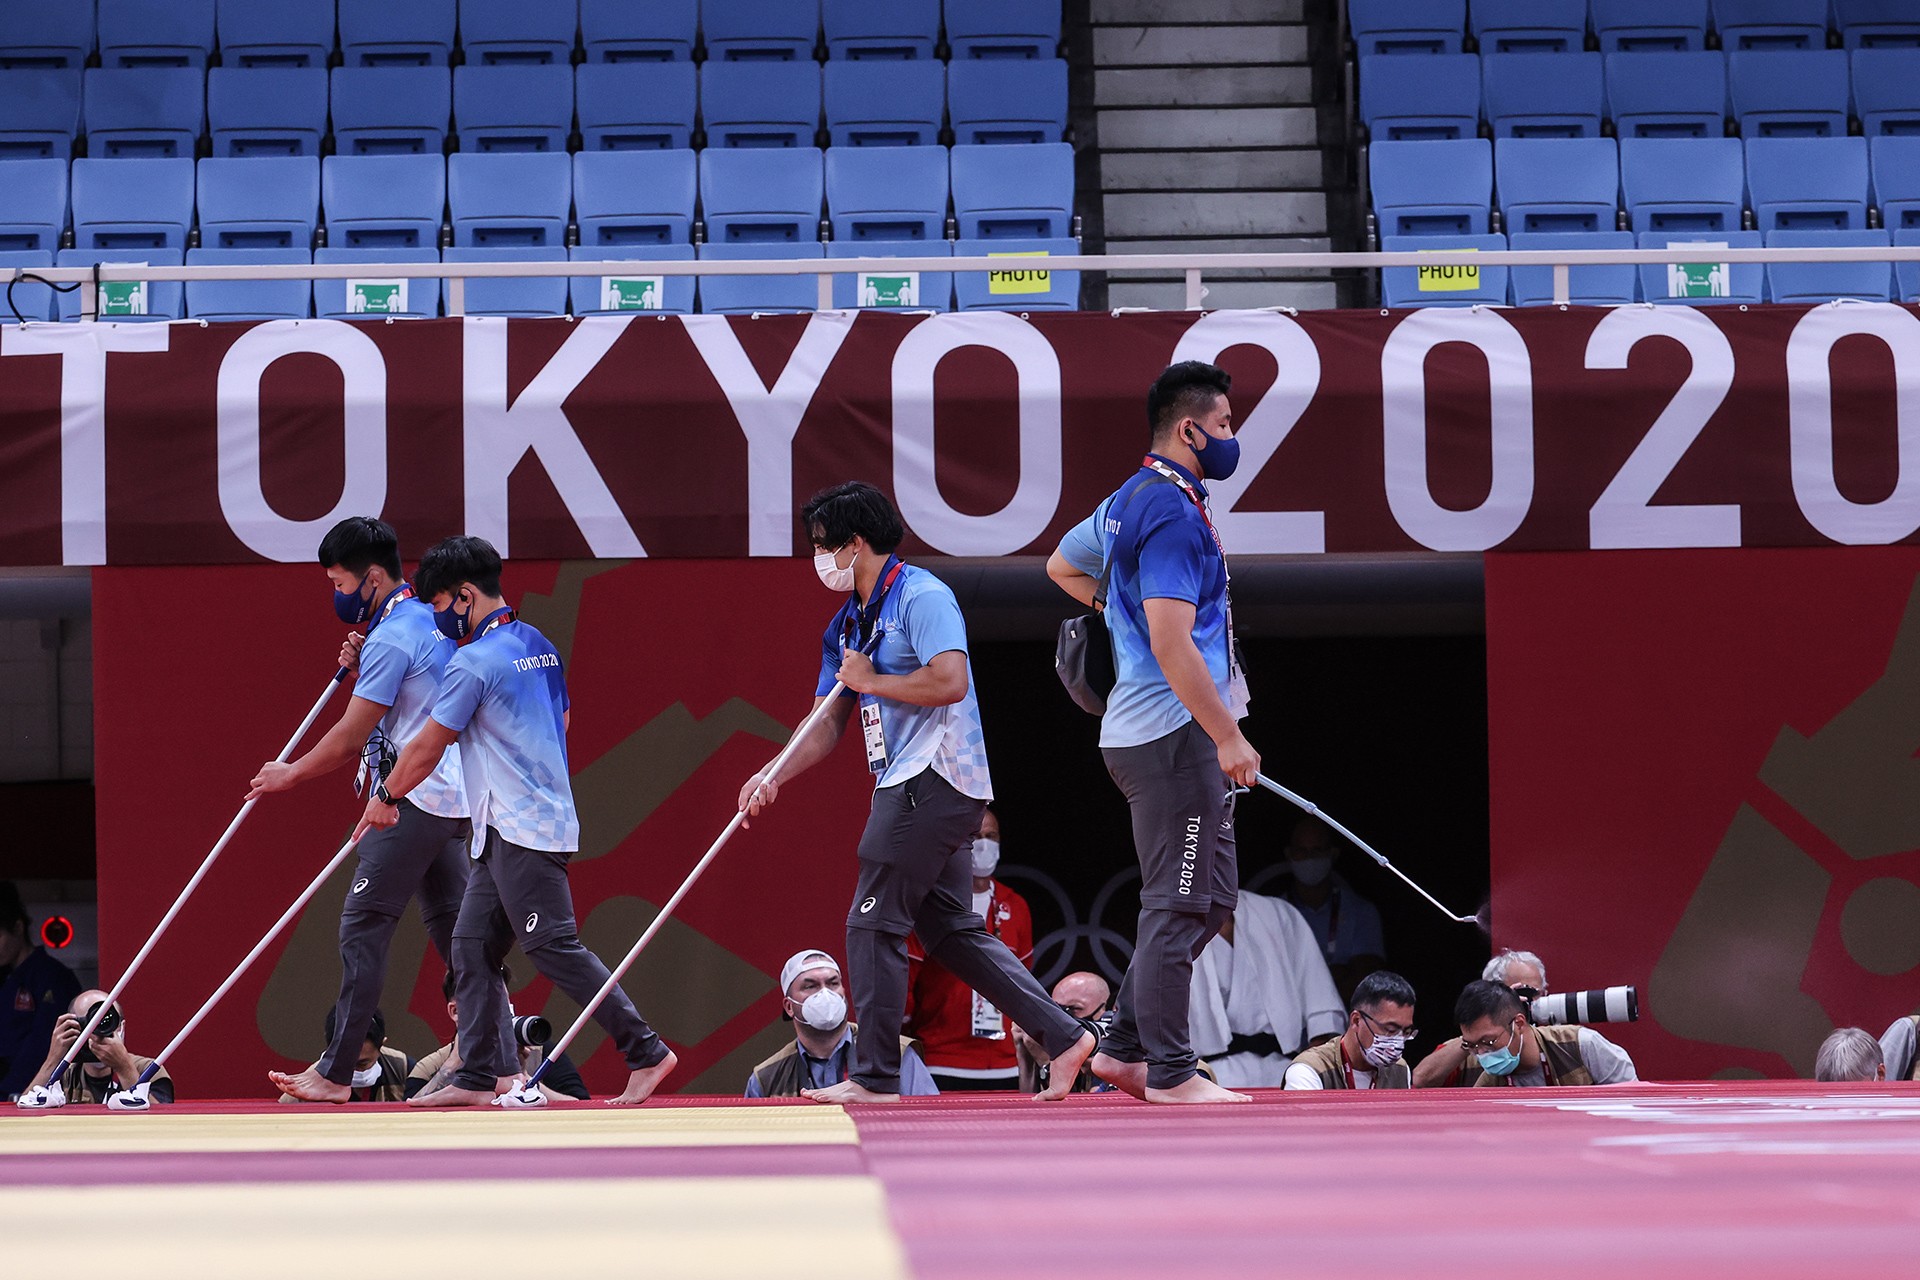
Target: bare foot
[[642, 1083], [1129, 1077], [1196, 1088], [451, 1096], [310, 1086], [847, 1091], [1066, 1069]]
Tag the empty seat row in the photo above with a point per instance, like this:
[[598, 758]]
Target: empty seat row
[[302, 33], [1645, 95], [1561, 26]]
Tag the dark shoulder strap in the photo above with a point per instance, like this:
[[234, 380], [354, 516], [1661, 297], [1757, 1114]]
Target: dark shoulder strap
[[1114, 513]]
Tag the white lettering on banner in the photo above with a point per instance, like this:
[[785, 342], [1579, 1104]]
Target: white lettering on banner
[[83, 353], [1263, 426], [769, 418], [498, 434], [363, 370], [1037, 496], [1403, 410], [1810, 422], [1624, 515]]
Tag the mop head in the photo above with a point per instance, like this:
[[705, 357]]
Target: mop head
[[44, 1098], [520, 1098], [134, 1099]]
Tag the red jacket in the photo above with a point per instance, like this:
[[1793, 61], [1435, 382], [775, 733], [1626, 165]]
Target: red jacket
[[940, 1006]]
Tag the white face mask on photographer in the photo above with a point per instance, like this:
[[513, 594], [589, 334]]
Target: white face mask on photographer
[[986, 856], [824, 1010], [832, 576], [368, 1078], [1311, 871]]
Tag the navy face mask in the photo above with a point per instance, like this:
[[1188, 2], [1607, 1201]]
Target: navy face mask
[[1218, 458], [351, 607], [453, 624]]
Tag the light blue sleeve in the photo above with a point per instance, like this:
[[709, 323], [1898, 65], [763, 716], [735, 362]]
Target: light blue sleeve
[[931, 619], [461, 691], [915, 1080], [1083, 547], [383, 666], [753, 1087]]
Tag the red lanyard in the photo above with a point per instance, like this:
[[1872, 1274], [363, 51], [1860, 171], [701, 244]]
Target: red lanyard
[[1193, 495], [868, 617], [1346, 1066], [404, 593]]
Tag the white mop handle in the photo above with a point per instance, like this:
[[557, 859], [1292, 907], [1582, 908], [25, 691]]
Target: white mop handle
[[305, 896], [338, 679]]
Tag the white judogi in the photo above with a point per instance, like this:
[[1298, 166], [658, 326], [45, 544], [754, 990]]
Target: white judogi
[[1271, 978]]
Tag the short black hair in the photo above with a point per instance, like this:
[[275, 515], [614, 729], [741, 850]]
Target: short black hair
[[452, 561], [1382, 986], [13, 909], [1184, 390], [850, 510], [358, 543], [1483, 999], [376, 1030]]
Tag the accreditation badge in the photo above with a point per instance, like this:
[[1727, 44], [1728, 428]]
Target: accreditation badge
[[873, 735]]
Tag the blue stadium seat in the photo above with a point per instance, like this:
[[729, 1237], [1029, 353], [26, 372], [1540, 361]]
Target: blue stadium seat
[[383, 202], [1588, 286], [513, 295], [1026, 285], [31, 301], [39, 112], [997, 100], [267, 111], [396, 33], [904, 290], [1683, 184], [276, 33], [1667, 95], [1003, 28], [622, 31], [155, 33], [33, 205], [1825, 281], [132, 204], [874, 103], [512, 199], [1432, 188], [635, 288], [1024, 191], [1790, 93], [860, 29], [1530, 26], [1877, 24], [1441, 102], [1650, 26], [628, 106], [1808, 184], [1407, 26], [1771, 24], [1557, 184], [742, 295], [887, 193], [758, 104], [249, 299], [144, 112], [513, 108], [494, 32], [262, 203], [1544, 95], [625, 199], [386, 111], [1709, 283], [1443, 286], [760, 30], [413, 299], [1906, 275], [1886, 91], [47, 35], [755, 196], [155, 300], [1895, 165]]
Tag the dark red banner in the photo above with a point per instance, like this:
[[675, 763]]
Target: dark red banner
[[699, 436]]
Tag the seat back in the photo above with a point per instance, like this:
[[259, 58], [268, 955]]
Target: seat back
[[510, 199], [1808, 184], [1771, 24], [636, 105], [1667, 95], [1557, 184], [760, 30], [384, 202], [1432, 188], [874, 103], [761, 196], [1813, 282], [47, 35], [275, 33], [132, 204], [249, 300], [156, 33], [1886, 90], [1443, 285], [33, 205], [859, 30], [267, 111], [1606, 285], [391, 110], [1530, 26], [887, 193], [513, 106], [1027, 284], [39, 112], [1434, 99], [372, 295], [1003, 28], [144, 112], [1545, 95], [396, 33], [998, 100], [259, 203], [124, 300], [1650, 26], [1407, 26], [629, 199], [1019, 191], [1707, 282], [1683, 184], [742, 295], [1790, 93], [760, 104], [634, 288], [1877, 24], [884, 290], [622, 31], [513, 295], [1894, 167], [27, 300], [500, 32]]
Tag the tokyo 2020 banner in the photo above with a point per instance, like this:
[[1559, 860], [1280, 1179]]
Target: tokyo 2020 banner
[[699, 436]]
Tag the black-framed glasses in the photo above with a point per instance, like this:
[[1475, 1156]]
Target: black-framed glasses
[[1490, 1044], [1389, 1028]]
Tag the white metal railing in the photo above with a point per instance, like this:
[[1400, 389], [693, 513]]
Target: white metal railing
[[1192, 266]]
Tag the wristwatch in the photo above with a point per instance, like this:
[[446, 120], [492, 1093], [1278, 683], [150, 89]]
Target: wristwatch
[[380, 794]]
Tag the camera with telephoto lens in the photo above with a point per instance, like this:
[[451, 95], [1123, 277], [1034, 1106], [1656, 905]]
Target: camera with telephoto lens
[[1607, 1004], [530, 1030], [108, 1025]]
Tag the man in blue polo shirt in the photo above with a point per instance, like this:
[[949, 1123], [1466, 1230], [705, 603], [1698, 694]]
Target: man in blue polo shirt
[[1171, 728], [920, 726], [398, 662], [504, 699]]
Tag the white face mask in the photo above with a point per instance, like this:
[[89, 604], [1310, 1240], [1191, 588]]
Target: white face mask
[[368, 1078], [1311, 871], [986, 856], [824, 1010], [832, 575]]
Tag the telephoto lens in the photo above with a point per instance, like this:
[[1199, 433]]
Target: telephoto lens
[[530, 1030], [1608, 1004]]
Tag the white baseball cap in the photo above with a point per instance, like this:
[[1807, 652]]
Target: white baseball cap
[[803, 961]]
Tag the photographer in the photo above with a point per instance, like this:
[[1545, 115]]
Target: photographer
[[437, 1068], [1446, 1065], [379, 1071], [1897, 1049], [1507, 1049], [103, 1067]]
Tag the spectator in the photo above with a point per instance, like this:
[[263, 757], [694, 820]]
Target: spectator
[[1085, 996], [1346, 925], [1849, 1056], [1261, 994], [379, 1072], [967, 1043], [1897, 1049], [103, 1067], [814, 999], [1446, 1066], [1510, 1050], [35, 990], [1370, 1054], [437, 1068]]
